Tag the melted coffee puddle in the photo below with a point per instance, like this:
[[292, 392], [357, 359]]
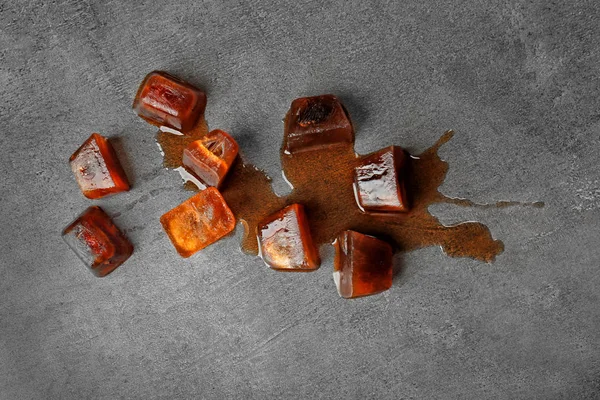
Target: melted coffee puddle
[[322, 181]]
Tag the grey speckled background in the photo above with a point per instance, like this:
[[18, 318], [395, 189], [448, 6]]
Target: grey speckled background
[[517, 80]]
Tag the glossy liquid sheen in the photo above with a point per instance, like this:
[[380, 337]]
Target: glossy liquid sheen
[[322, 181]]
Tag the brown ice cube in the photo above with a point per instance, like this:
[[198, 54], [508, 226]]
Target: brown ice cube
[[198, 222], [97, 241], [97, 169], [210, 158], [163, 99], [362, 265], [314, 122], [379, 181], [285, 241]]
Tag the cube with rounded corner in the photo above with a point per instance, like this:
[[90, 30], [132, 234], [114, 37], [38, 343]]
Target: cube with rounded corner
[[198, 222], [285, 241], [316, 122], [379, 181], [97, 241], [362, 265], [97, 169], [164, 100], [210, 158]]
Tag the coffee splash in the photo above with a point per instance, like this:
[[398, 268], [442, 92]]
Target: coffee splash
[[322, 181]]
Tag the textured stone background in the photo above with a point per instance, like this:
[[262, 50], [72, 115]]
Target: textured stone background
[[517, 80]]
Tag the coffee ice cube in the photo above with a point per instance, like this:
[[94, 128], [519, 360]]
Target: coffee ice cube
[[285, 241], [314, 122], [210, 158], [198, 222], [379, 181], [97, 241], [97, 168], [362, 265], [163, 99]]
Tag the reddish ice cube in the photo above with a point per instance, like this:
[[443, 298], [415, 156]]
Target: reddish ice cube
[[163, 99], [379, 181], [314, 122], [198, 222], [362, 265], [210, 158], [285, 241], [97, 241], [97, 168]]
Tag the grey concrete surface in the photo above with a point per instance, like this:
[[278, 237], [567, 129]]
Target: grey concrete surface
[[517, 80]]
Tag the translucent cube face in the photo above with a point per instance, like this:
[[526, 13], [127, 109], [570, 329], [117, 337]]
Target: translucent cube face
[[97, 241], [97, 168], [379, 183], [285, 241], [210, 158], [314, 122], [362, 265], [198, 222], [165, 100]]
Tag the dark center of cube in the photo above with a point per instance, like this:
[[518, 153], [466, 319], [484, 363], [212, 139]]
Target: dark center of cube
[[315, 112]]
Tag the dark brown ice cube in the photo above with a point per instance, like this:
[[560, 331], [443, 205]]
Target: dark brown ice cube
[[362, 265], [285, 241], [379, 181], [315, 122]]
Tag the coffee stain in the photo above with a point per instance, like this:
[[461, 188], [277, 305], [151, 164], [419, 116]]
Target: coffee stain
[[322, 180]]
